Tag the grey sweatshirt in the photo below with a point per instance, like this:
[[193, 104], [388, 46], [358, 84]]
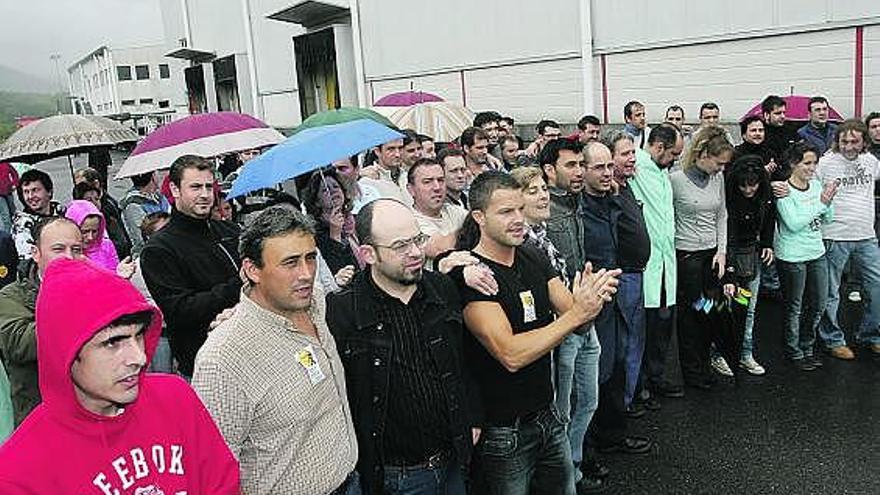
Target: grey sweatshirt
[[700, 211]]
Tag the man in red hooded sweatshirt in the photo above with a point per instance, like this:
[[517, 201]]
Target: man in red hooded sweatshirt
[[119, 429]]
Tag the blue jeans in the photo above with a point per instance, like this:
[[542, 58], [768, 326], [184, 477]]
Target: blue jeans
[[577, 390], [353, 487], [631, 300], [446, 478], [805, 280], [754, 287], [865, 255], [770, 277], [530, 457]]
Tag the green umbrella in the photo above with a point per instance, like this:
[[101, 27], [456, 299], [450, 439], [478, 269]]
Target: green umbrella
[[21, 168], [341, 115]]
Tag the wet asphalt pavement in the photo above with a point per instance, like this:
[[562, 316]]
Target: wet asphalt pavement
[[787, 432]]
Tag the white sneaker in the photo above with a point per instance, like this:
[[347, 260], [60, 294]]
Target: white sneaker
[[720, 366], [749, 364], [855, 296]]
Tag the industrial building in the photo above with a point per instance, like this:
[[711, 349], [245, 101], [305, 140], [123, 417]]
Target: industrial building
[[283, 60], [138, 86]]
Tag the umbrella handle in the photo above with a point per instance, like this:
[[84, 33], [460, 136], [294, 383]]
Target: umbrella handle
[[70, 165]]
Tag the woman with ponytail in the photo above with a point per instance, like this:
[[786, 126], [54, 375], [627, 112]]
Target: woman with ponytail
[[701, 249]]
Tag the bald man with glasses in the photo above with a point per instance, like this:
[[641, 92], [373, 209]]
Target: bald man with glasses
[[398, 329]]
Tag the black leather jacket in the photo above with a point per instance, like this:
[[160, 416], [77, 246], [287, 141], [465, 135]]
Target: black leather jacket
[[366, 351]]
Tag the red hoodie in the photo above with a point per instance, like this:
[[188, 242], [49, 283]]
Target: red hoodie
[[164, 443]]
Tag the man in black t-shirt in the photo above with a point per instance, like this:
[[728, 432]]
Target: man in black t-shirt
[[523, 447]]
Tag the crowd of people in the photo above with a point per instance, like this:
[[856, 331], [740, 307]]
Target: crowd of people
[[482, 316]]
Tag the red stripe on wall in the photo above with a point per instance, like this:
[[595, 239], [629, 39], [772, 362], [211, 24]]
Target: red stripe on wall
[[859, 74], [604, 90]]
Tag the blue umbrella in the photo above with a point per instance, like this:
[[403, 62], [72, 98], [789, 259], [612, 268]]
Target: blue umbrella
[[309, 150]]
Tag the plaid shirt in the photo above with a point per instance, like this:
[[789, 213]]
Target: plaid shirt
[[291, 433]]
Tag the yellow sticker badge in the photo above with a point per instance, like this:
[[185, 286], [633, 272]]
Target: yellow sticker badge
[[528, 304], [306, 358]]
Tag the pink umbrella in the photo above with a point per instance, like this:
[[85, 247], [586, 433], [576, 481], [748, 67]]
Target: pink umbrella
[[204, 134], [796, 108], [406, 98]]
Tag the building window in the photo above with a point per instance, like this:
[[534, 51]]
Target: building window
[[123, 72], [164, 72], [127, 103], [142, 72], [146, 101], [164, 104]]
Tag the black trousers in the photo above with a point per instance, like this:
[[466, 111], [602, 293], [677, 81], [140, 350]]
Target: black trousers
[[659, 327], [694, 326], [697, 330], [608, 426]]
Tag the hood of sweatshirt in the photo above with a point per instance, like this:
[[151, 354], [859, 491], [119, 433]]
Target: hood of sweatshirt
[[76, 300], [79, 209]]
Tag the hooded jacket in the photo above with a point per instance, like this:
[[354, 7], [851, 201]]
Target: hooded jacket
[[102, 252], [163, 442], [135, 206]]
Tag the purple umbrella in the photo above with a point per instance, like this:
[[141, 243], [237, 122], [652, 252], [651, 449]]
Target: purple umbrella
[[796, 108], [406, 99], [204, 134]]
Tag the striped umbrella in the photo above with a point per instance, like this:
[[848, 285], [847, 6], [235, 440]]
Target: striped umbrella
[[60, 135], [443, 120]]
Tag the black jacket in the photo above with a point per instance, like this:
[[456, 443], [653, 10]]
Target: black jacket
[[115, 228], [747, 148], [750, 222], [191, 268], [634, 243], [777, 140], [8, 259], [366, 350], [601, 254]]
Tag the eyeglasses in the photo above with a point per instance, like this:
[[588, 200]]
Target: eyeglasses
[[599, 167], [402, 246]]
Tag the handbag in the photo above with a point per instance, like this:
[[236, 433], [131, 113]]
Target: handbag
[[744, 261]]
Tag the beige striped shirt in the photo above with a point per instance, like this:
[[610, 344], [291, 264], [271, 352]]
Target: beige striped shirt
[[291, 433]]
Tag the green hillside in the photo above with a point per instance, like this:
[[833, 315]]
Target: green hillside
[[14, 105]]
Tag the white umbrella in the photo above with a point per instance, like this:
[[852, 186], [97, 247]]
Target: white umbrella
[[62, 134]]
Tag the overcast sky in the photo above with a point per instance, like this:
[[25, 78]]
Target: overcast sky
[[35, 29]]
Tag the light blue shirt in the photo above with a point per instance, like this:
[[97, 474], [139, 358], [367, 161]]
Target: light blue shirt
[[801, 215]]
